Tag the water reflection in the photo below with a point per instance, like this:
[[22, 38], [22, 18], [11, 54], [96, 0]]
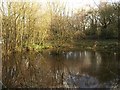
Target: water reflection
[[30, 69]]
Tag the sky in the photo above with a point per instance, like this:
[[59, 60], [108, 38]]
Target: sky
[[75, 4], [71, 4]]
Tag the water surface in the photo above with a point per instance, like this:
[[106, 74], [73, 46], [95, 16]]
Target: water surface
[[70, 69]]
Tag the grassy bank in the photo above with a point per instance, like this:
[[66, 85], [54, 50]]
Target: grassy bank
[[98, 45], [95, 45]]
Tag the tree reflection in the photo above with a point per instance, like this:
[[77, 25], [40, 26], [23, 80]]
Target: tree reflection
[[45, 70]]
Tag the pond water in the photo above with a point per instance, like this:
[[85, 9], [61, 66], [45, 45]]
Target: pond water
[[82, 69]]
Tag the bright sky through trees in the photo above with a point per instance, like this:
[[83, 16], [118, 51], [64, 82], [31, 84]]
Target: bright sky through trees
[[70, 3], [77, 3]]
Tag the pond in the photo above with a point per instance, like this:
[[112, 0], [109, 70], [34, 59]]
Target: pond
[[84, 69]]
